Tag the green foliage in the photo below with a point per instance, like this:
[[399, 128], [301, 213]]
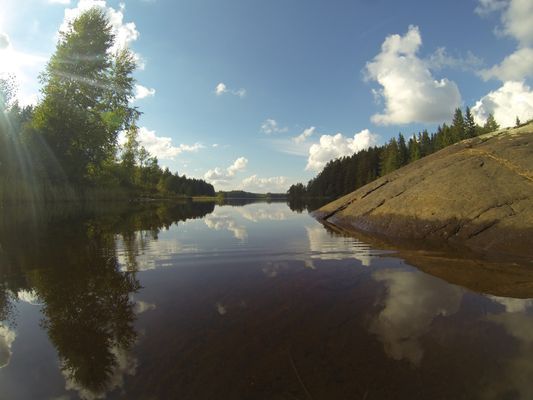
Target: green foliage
[[85, 99], [414, 149], [491, 125], [458, 128], [346, 174], [389, 158], [67, 147], [470, 125]]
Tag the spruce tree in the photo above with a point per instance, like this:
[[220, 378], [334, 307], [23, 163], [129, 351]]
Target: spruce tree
[[414, 149], [390, 157], [458, 126], [403, 152], [470, 125], [491, 125]]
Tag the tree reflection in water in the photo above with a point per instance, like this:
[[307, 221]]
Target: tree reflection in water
[[87, 300]]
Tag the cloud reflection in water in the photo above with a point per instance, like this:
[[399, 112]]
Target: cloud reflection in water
[[412, 302]]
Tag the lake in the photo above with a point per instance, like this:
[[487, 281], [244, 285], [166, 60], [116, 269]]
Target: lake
[[247, 301]]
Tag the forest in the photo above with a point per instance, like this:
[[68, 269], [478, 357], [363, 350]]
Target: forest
[[344, 175], [67, 146]]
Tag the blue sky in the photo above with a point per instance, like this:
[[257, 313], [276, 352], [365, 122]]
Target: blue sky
[[258, 95]]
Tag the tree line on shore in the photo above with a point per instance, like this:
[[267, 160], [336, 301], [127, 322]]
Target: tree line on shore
[[67, 146], [346, 174]]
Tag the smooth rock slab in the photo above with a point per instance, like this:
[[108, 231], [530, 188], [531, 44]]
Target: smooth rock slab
[[477, 193]]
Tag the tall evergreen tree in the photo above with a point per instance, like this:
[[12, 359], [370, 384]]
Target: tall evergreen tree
[[414, 149], [491, 125], [403, 152], [470, 125], [458, 126], [390, 157]]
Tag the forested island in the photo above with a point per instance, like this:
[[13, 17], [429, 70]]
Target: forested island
[[67, 146]]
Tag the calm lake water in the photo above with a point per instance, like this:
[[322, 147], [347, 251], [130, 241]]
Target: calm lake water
[[200, 301]]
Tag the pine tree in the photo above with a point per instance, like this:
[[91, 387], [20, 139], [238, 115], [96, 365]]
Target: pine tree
[[458, 126], [390, 158], [491, 125], [517, 124], [470, 125], [425, 144], [414, 149], [403, 152]]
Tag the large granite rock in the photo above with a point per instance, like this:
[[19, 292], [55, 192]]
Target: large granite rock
[[477, 193]]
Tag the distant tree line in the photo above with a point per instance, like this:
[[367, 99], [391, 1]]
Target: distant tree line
[[344, 175], [241, 194], [67, 146]]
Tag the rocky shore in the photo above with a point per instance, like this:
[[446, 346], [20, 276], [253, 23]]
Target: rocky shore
[[476, 194]]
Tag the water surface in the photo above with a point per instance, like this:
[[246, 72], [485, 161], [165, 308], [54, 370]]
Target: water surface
[[200, 301]]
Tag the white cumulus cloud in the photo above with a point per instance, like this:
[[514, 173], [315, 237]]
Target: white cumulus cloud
[[161, 146], [270, 126], [516, 22], [516, 18], [238, 165], [302, 137], [223, 175], [514, 67], [409, 90], [271, 184], [222, 88], [333, 146], [513, 99], [142, 92]]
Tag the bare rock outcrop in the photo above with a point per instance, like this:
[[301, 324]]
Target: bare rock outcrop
[[477, 193]]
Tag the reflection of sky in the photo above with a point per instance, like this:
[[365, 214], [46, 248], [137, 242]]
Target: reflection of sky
[[516, 377], [270, 231], [29, 296], [513, 305], [228, 232], [126, 365], [7, 337], [143, 306], [325, 246], [261, 212], [150, 253], [406, 307], [220, 220], [412, 301]]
